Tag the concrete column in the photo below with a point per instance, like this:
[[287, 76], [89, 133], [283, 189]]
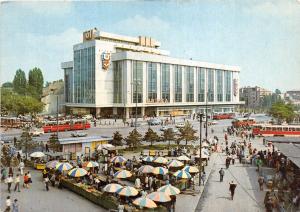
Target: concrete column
[[142, 111], [183, 84], [172, 93], [98, 111], [115, 111], [127, 112], [158, 81]]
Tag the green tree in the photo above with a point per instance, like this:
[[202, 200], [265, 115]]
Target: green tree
[[151, 136], [6, 156], [168, 135], [282, 112], [117, 139], [7, 85], [19, 82], [35, 83], [187, 133], [134, 139], [26, 143], [277, 91], [54, 143]]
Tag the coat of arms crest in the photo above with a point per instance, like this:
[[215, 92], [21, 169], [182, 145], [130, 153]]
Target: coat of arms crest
[[106, 60]]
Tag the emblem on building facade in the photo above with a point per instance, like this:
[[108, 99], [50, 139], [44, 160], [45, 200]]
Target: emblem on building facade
[[106, 56], [235, 87]]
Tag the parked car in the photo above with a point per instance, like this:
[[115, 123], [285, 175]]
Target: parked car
[[78, 134], [164, 128], [180, 125], [36, 131], [154, 122]]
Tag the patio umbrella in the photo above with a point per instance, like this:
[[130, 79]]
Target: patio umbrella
[[182, 174], [90, 164], [112, 187], [37, 155], [102, 146], [183, 158], [122, 174], [160, 170], [118, 159], [144, 202], [148, 159], [175, 163], [161, 160], [146, 169], [77, 172], [63, 167], [128, 191], [169, 189], [52, 164], [191, 169], [159, 196]]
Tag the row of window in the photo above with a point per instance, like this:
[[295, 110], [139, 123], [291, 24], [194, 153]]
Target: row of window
[[223, 83]]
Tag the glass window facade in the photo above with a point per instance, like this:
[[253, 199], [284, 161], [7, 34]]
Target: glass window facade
[[219, 81], [178, 83], [118, 82], [137, 81], [84, 75], [210, 85], [201, 84], [69, 85], [189, 81], [228, 86], [165, 82], [152, 81]]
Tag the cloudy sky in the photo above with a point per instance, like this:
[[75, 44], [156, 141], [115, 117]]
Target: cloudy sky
[[262, 37]]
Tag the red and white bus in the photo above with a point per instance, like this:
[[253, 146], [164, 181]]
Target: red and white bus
[[276, 130], [219, 116], [66, 125], [243, 122]]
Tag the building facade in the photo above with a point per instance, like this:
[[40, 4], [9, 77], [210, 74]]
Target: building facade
[[113, 75], [252, 96]]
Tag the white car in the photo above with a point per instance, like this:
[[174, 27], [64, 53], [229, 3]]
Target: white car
[[180, 125], [37, 132]]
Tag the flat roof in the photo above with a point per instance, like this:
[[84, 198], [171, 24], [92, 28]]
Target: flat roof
[[279, 139], [74, 140], [291, 151]]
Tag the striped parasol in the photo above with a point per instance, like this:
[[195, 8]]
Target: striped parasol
[[146, 169], [118, 159], [63, 166], [160, 170], [90, 164], [182, 174], [148, 159], [169, 189], [128, 191], [77, 172], [191, 169], [122, 174], [183, 158], [161, 160], [112, 188], [159, 197], [37, 155], [52, 164], [175, 163], [144, 202]]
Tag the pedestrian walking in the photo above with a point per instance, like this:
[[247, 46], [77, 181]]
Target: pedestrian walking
[[21, 167], [52, 179], [261, 182], [17, 183], [46, 180], [15, 206], [25, 181], [203, 177], [29, 177], [9, 181], [222, 173], [8, 204], [232, 187]]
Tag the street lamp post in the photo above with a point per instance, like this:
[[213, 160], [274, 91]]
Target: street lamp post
[[206, 117], [136, 100], [200, 153], [57, 115]]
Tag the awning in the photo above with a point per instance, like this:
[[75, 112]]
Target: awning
[[291, 151]]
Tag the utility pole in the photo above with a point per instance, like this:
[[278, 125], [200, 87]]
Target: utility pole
[[206, 116], [57, 115], [200, 153]]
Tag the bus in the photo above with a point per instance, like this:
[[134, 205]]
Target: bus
[[243, 122], [219, 116], [66, 125], [276, 130], [11, 122]]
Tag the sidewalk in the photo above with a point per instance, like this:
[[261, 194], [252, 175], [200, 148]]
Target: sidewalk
[[189, 203]]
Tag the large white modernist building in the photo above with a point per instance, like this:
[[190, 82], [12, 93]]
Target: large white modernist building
[[110, 74]]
